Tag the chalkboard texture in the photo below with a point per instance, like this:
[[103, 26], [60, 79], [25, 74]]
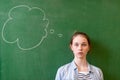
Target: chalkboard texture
[[35, 35]]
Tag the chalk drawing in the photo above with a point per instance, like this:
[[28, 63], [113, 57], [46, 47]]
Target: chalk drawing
[[11, 18], [51, 31], [60, 35]]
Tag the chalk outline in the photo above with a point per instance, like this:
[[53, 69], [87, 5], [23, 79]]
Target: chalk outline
[[60, 35], [17, 40], [52, 31]]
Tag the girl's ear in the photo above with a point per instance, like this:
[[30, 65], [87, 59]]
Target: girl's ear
[[89, 49], [70, 46]]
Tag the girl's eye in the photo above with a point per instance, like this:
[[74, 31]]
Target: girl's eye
[[76, 44], [84, 44]]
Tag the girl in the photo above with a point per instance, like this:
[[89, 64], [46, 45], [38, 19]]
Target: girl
[[79, 68]]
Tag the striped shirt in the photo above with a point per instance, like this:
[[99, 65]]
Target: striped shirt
[[84, 76], [70, 72]]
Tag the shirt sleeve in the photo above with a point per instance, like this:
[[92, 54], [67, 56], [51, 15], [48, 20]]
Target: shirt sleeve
[[98, 74], [59, 74], [101, 74]]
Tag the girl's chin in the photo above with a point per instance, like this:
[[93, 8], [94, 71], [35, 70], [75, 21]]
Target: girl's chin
[[80, 56]]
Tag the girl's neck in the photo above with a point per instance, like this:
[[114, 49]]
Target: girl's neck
[[81, 64]]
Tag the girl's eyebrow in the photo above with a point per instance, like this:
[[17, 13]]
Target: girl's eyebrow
[[81, 43], [84, 42]]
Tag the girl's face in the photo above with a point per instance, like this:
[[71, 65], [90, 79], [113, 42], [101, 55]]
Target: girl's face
[[80, 46]]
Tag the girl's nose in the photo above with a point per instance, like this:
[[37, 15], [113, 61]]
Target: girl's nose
[[80, 47]]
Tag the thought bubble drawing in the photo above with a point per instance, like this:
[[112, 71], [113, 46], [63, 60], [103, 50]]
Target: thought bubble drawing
[[60, 35], [26, 26], [51, 31]]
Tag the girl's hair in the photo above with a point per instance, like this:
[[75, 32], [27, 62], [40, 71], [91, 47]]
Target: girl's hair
[[80, 33]]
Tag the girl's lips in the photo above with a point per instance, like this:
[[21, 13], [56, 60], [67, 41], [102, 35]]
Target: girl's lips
[[80, 52]]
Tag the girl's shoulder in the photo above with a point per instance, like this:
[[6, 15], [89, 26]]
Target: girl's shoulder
[[97, 71], [64, 67], [95, 68]]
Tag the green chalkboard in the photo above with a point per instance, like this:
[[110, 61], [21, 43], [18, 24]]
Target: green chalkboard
[[35, 35]]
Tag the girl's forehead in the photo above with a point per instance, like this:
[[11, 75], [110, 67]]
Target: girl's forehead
[[79, 38]]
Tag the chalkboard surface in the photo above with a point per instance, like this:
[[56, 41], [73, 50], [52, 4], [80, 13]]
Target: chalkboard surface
[[35, 35]]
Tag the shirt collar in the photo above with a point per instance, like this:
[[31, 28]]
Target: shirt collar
[[75, 67], [90, 68]]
